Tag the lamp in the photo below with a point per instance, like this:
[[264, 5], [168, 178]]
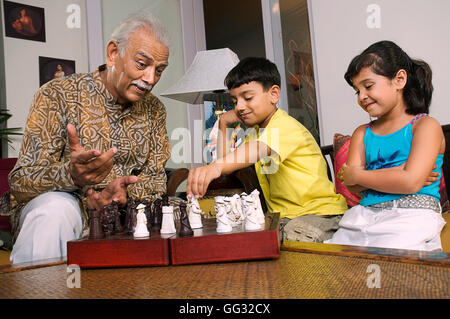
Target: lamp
[[205, 75]]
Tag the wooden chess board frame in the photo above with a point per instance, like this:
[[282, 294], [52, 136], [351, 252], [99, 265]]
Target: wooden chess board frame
[[205, 246]]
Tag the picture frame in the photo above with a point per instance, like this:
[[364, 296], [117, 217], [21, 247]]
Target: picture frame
[[24, 21], [52, 68]]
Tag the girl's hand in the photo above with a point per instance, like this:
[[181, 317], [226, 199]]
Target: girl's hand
[[347, 174]]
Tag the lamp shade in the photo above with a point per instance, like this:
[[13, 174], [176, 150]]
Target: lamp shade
[[205, 75]]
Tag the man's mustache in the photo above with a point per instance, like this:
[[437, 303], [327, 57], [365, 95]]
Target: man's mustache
[[142, 85]]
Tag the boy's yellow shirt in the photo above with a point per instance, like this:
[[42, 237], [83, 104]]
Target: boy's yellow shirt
[[294, 177]]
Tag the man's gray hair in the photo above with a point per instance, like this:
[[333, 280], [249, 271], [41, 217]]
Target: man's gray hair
[[142, 19]]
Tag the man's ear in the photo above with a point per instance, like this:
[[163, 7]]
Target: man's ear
[[400, 79], [275, 92], [112, 53]]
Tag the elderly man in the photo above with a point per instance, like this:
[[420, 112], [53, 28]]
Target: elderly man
[[90, 139]]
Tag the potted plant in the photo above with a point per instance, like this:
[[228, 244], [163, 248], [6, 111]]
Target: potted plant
[[6, 165], [6, 131]]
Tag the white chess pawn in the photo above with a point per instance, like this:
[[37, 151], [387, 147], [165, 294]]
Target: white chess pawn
[[223, 223], [195, 214], [168, 223], [261, 217], [252, 221], [141, 223]]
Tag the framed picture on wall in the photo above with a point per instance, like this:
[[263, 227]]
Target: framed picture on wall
[[52, 68], [24, 21]]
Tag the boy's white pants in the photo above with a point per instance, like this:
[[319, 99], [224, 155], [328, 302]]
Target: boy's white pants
[[47, 223], [401, 228]]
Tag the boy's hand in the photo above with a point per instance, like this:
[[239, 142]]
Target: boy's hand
[[200, 177], [228, 118]]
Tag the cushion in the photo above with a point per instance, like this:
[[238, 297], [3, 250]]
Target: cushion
[[340, 145]]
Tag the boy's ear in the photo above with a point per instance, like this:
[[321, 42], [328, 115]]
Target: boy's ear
[[275, 92], [400, 79], [112, 53]]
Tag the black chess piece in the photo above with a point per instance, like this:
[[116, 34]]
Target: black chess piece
[[118, 228], [148, 213], [108, 218], [185, 225], [156, 218], [95, 225], [131, 217], [165, 200]]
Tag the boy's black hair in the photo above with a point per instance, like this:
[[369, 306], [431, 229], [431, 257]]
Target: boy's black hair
[[386, 58], [253, 69]]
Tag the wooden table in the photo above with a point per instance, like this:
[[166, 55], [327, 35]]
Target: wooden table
[[297, 273]]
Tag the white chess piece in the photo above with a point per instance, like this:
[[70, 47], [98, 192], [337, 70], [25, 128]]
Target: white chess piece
[[252, 221], [260, 213], [168, 223], [223, 223], [244, 204], [195, 214], [229, 210], [141, 230], [236, 205]]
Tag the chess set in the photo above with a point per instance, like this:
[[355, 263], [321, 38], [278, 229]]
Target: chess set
[[148, 234]]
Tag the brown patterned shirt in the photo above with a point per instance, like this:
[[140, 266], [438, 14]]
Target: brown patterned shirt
[[138, 131]]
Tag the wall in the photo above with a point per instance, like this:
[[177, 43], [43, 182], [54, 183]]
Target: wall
[[22, 64], [168, 12], [340, 32]]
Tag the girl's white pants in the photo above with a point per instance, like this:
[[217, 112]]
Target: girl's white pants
[[401, 228]]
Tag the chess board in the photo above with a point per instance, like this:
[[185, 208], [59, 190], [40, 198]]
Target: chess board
[[205, 246]]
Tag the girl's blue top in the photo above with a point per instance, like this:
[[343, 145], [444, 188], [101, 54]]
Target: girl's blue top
[[391, 150]]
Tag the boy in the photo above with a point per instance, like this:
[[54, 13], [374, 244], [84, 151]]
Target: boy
[[288, 162]]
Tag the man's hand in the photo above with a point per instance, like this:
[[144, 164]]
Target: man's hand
[[115, 191], [87, 167], [200, 177]]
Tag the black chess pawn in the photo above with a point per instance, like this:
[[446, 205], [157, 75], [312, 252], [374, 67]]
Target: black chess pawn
[[156, 218], [185, 225], [95, 225]]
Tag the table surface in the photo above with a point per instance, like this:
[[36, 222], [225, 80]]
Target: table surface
[[293, 275]]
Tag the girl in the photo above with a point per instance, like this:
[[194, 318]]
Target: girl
[[390, 158]]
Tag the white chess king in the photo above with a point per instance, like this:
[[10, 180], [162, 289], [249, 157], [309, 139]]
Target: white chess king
[[141, 230], [168, 223], [195, 213]]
